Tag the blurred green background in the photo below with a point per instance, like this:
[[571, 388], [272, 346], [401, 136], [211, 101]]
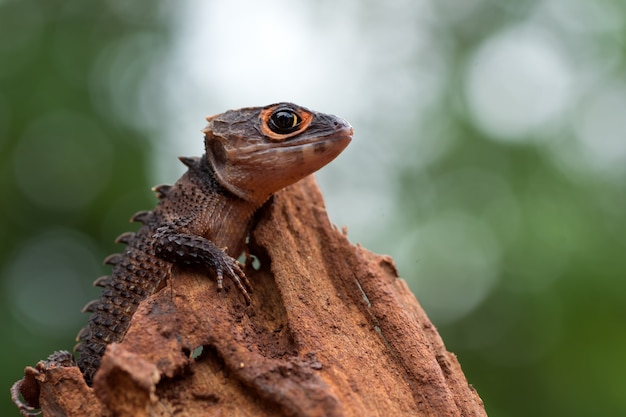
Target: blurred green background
[[489, 160]]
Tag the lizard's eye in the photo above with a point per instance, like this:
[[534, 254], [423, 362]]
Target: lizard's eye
[[284, 121]]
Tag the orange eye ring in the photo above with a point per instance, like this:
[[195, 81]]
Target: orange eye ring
[[280, 123]]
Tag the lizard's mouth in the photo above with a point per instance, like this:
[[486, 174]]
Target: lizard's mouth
[[329, 145], [316, 143], [298, 154]]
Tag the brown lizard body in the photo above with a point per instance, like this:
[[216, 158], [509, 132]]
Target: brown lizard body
[[202, 220]]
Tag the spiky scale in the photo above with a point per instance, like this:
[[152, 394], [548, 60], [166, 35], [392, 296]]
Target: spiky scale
[[102, 281], [161, 190], [84, 332], [113, 259], [141, 216], [91, 306], [190, 161], [125, 237]]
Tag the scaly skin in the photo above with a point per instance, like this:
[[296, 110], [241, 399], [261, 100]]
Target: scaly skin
[[250, 154]]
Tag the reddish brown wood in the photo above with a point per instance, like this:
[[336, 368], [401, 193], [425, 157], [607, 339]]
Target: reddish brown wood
[[332, 331]]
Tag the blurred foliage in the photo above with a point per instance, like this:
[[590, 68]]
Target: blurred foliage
[[71, 169], [503, 165], [532, 208]]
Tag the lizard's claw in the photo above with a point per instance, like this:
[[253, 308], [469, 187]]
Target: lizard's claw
[[195, 250], [234, 271]]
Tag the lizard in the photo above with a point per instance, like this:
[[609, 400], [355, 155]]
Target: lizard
[[202, 220]]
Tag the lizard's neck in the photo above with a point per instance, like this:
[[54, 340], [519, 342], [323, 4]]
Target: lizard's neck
[[214, 212], [229, 219]]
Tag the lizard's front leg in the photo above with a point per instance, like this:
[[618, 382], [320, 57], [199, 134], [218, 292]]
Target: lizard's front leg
[[189, 249]]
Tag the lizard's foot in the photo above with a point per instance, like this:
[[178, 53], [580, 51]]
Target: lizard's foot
[[234, 271]]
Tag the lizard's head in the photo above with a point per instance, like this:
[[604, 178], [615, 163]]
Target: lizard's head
[[257, 151]]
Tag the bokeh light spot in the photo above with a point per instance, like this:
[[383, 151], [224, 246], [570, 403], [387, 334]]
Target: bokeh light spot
[[516, 82], [602, 125], [73, 160], [47, 280], [457, 261], [120, 71]]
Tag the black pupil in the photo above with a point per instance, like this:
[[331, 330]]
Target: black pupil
[[284, 121]]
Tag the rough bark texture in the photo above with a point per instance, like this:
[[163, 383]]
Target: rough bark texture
[[332, 331]]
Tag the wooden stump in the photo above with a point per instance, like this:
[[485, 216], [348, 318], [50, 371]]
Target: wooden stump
[[332, 331]]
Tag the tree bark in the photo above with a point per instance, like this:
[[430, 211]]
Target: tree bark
[[331, 331]]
